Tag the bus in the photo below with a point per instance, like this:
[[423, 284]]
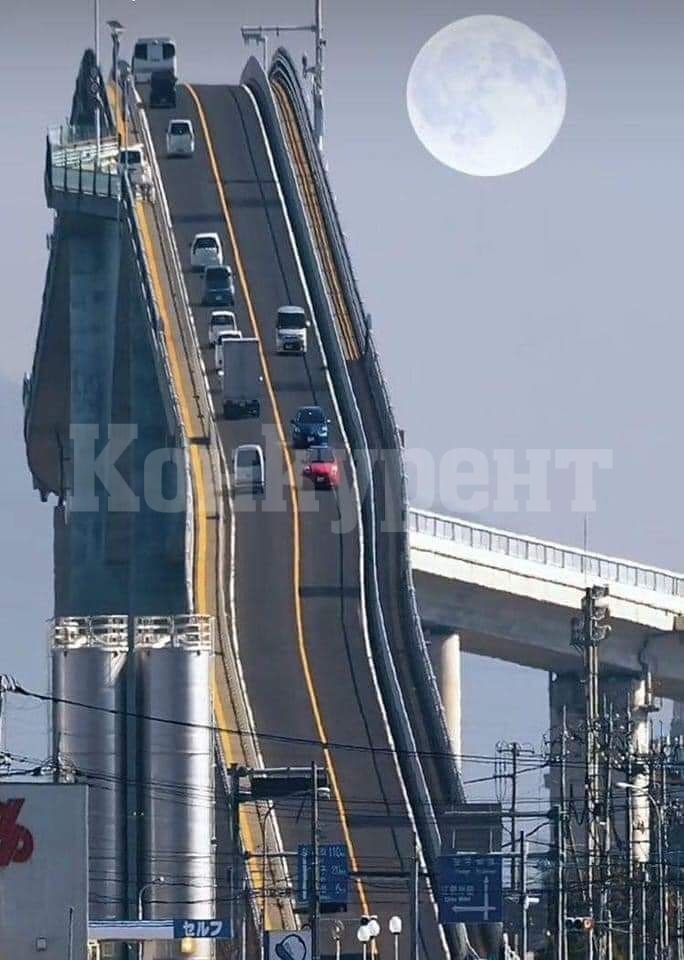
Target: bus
[[151, 54]]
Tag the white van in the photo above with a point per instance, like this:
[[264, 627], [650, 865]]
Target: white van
[[291, 326], [132, 161], [221, 321], [248, 468], [180, 138], [151, 54], [205, 251], [218, 347]]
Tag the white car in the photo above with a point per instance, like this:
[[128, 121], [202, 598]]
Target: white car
[[291, 327], [180, 138], [221, 321], [206, 251], [218, 347], [132, 162], [248, 468]]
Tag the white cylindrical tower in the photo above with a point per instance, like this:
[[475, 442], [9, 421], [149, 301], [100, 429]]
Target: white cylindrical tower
[[173, 664], [88, 682]]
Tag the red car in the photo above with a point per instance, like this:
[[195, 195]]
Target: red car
[[322, 468]]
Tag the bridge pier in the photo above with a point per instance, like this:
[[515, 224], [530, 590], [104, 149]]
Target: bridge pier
[[445, 654], [93, 265]]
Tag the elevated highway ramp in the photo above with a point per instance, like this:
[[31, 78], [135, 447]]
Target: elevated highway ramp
[[296, 585]]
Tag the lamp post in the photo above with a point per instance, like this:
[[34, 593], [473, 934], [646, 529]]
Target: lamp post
[[115, 31], [259, 35], [269, 812], [395, 930], [662, 902], [337, 931], [158, 881], [363, 936], [96, 28]]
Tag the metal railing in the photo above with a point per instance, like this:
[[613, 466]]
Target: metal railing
[[78, 167], [545, 553], [191, 631], [109, 632]]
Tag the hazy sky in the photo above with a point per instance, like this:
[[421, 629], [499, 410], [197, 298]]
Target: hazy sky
[[537, 310]]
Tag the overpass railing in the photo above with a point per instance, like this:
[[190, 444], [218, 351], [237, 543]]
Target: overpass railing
[[545, 553], [82, 166]]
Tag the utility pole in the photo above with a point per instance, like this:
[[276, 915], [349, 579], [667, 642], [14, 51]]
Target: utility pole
[[563, 788], [415, 879], [236, 873], [515, 752], [587, 633], [314, 879], [316, 73], [629, 828], [560, 909], [658, 802], [523, 896]]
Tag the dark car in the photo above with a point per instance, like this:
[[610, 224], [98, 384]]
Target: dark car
[[309, 428], [219, 287], [163, 88]]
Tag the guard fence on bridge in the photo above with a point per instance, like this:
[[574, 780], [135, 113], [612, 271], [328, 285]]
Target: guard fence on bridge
[[595, 565]]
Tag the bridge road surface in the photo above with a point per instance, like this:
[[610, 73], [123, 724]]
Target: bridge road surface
[[297, 590]]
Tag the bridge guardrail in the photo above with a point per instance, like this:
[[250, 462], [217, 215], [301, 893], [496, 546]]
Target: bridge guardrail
[[412, 771], [422, 667], [219, 469], [423, 673], [545, 553]]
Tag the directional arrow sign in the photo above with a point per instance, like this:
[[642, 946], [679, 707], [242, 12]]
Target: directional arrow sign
[[470, 888]]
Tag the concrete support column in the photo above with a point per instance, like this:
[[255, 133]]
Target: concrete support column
[[94, 253], [450, 688], [445, 653]]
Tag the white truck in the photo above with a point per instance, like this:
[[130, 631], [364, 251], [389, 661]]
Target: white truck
[[242, 378], [291, 327]]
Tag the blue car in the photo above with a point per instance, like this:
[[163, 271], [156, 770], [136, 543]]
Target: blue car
[[219, 287], [309, 428]]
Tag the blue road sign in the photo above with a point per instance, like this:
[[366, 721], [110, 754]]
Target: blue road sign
[[333, 873], [471, 888], [202, 929]]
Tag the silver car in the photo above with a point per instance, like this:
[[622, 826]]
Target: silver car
[[180, 138]]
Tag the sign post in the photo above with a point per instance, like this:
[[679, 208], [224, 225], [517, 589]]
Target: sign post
[[470, 888]]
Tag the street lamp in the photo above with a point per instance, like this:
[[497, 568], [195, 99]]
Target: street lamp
[[337, 931], [363, 936], [259, 35], [662, 900], [157, 881], [395, 930], [115, 31], [269, 812]]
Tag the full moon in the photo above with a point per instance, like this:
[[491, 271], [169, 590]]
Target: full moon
[[486, 95]]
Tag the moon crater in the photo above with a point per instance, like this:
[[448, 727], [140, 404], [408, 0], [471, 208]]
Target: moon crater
[[486, 95]]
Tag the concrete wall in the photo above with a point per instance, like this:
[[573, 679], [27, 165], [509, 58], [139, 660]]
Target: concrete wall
[[124, 554]]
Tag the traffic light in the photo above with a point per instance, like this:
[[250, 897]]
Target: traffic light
[[583, 924]]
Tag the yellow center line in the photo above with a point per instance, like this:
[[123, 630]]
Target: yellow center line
[[296, 539], [197, 479]]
